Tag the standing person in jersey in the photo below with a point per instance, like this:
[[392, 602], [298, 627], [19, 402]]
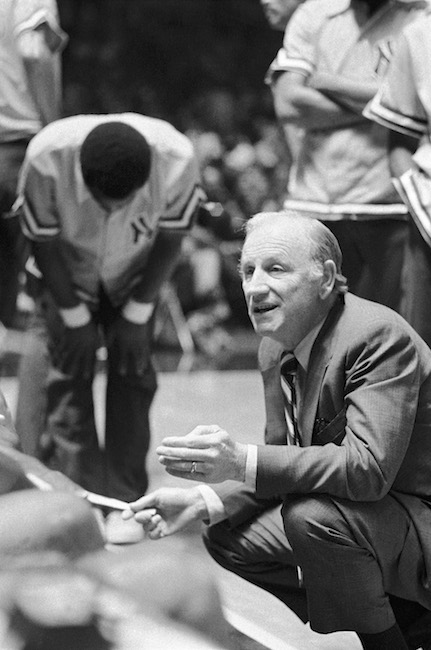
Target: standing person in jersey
[[403, 104], [31, 41], [334, 54]]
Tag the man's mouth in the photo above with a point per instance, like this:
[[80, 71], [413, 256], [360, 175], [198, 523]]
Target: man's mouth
[[263, 308]]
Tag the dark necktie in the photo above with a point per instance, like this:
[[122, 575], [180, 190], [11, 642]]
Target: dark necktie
[[288, 369]]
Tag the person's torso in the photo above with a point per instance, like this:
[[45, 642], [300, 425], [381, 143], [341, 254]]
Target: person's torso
[[349, 166], [339, 357], [99, 248]]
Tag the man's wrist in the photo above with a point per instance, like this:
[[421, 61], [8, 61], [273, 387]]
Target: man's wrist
[[137, 312], [241, 452], [209, 506], [200, 502], [74, 317]]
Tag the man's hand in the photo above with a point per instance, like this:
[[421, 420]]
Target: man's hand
[[206, 454], [167, 510], [129, 346], [76, 352]]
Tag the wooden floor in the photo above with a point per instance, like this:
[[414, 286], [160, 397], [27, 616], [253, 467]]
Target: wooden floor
[[234, 401]]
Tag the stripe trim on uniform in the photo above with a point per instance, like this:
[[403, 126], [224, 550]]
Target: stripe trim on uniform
[[39, 17], [285, 63], [351, 211], [185, 219], [397, 122], [32, 228]]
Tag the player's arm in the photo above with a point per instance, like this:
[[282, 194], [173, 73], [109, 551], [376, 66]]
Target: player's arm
[[295, 102], [41, 226], [38, 48], [56, 276], [160, 264], [183, 199], [351, 94]]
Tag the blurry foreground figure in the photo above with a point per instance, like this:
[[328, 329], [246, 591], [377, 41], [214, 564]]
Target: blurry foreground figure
[[60, 588]]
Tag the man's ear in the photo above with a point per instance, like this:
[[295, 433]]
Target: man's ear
[[329, 272]]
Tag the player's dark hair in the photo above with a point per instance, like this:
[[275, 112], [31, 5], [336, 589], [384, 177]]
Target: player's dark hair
[[115, 159]]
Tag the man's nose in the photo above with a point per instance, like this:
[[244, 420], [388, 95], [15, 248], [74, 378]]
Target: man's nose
[[256, 284]]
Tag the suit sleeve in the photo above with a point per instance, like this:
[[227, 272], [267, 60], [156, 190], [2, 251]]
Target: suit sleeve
[[241, 503], [381, 386]]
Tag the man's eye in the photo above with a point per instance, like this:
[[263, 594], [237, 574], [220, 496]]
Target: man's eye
[[276, 268], [246, 273]]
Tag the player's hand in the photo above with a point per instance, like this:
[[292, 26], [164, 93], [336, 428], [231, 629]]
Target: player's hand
[[205, 454], [129, 346], [76, 351], [167, 510]]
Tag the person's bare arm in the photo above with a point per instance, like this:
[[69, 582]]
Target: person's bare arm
[[296, 102], [349, 93], [43, 73]]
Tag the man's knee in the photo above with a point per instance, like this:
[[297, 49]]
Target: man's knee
[[310, 520], [229, 547], [40, 521], [217, 541]]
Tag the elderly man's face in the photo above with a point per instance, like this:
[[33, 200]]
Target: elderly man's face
[[278, 12], [281, 283]]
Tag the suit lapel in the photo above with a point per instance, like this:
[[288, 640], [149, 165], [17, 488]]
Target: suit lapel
[[320, 355]]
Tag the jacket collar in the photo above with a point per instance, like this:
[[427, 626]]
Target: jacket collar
[[320, 356]]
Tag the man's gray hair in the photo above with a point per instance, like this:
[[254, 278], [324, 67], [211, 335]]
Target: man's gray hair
[[323, 243]]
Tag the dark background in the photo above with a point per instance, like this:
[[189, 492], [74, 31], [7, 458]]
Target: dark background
[[192, 62]]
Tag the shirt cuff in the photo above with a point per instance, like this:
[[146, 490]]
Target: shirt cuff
[[214, 504], [137, 312], [76, 316], [251, 466]]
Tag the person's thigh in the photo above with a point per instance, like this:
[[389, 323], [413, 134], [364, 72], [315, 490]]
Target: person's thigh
[[354, 554], [260, 552]]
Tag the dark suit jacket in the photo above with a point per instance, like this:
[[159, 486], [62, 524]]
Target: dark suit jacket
[[365, 418]]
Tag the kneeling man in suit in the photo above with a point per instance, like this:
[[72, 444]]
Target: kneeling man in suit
[[333, 513]]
